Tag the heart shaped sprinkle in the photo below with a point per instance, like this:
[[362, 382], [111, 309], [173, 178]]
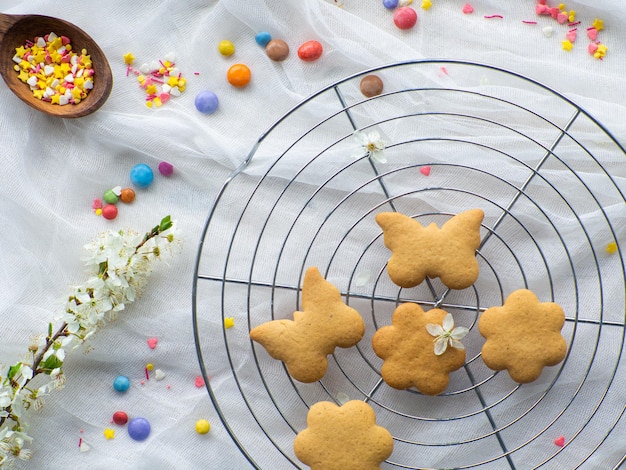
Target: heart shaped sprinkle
[[152, 342], [425, 170], [560, 441]]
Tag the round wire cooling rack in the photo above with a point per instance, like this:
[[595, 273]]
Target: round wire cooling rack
[[550, 179]]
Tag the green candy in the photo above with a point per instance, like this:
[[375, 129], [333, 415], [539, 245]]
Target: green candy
[[110, 197]]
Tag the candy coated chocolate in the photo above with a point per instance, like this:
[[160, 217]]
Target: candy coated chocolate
[[109, 211], [277, 50], [405, 17], [310, 51], [371, 85], [138, 429], [141, 175], [206, 102], [263, 38]]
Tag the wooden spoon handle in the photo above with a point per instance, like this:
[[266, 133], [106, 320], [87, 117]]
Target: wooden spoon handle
[[6, 21]]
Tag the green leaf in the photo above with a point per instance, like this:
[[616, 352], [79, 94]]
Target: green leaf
[[166, 223], [13, 370], [51, 363]]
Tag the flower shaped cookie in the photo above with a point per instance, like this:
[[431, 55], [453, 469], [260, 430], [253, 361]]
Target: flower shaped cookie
[[324, 323], [523, 336], [343, 438], [409, 351]]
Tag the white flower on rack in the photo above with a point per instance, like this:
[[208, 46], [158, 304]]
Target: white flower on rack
[[371, 144], [447, 334]]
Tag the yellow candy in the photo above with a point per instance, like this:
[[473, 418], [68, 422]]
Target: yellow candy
[[611, 248], [226, 48], [567, 45], [128, 58], [229, 322], [150, 366], [202, 426]]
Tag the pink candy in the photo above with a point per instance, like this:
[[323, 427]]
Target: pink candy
[[467, 9], [405, 17]]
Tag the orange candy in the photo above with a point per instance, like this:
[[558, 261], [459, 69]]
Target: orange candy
[[238, 75], [127, 195]]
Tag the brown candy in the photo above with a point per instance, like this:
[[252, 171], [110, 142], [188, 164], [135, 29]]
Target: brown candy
[[371, 85], [277, 50]]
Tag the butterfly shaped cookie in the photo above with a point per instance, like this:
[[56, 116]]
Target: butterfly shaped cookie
[[417, 252], [324, 323]]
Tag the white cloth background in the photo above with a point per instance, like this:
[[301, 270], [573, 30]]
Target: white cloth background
[[53, 169]]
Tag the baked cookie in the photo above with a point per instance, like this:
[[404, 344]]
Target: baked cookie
[[324, 323], [417, 252], [343, 438], [523, 336], [419, 349]]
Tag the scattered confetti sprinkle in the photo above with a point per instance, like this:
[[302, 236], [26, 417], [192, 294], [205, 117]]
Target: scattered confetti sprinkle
[[229, 322], [592, 33], [109, 433], [547, 31], [571, 35], [468, 9], [199, 382], [529, 22], [161, 79], [425, 170], [560, 441], [159, 374], [426, 4], [83, 446], [152, 342], [489, 17], [598, 24], [567, 45], [611, 248]]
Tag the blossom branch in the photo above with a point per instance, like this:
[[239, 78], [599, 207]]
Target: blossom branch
[[120, 265]]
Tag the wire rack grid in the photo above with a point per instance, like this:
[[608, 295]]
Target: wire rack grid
[[550, 179]]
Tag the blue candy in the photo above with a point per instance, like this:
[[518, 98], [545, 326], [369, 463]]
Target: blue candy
[[138, 429], [141, 175], [390, 4], [206, 102], [121, 383], [263, 38]]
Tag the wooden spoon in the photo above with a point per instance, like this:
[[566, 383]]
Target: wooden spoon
[[15, 30]]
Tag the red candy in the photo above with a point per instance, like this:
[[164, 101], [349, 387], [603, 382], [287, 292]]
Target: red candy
[[310, 51], [109, 212], [120, 418], [405, 17]]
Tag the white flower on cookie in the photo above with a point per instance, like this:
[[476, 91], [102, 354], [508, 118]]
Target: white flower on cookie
[[447, 333]]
